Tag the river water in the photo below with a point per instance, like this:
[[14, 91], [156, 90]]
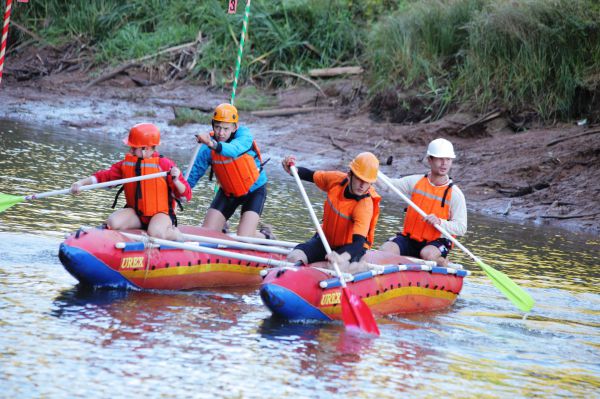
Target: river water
[[60, 341]]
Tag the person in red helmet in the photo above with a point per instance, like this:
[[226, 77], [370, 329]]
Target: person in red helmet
[[150, 204], [350, 212]]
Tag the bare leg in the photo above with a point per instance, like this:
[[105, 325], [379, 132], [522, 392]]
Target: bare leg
[[214, 220], [124, 219], [248, 225], [429, 252], [161, 226], [297, 256], [390, 246]]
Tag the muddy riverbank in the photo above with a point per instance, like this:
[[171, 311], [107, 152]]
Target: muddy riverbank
[[544, 175]]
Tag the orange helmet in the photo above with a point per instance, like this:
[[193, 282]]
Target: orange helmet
[[365, 166], [143, 135], [226, 113]]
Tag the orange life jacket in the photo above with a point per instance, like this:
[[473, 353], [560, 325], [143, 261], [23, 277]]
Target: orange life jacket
[[146, 197], [337, 215], [432, 200], [236, 175]]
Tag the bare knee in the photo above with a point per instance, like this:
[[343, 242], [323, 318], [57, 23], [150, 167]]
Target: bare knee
[[123, 219], [214, 220], [390, 246], [161, 226], [434, 254], [297, 255]]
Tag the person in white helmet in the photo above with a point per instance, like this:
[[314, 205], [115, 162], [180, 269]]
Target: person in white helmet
[[442, 201]]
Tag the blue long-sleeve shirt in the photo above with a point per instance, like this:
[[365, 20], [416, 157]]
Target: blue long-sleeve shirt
[[238, 143]]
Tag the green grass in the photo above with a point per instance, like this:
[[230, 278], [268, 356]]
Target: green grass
[[252, 99], [184, 116], [481, 54], [535, 55]]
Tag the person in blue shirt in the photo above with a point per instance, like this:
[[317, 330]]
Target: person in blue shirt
[[232, 154]]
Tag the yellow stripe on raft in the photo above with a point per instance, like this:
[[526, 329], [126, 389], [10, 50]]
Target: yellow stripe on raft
[[392, 294], [194, 269]]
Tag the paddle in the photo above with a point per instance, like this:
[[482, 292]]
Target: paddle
[[211, 251], [6, 200], [266, 241], [236, 244], [509, 288], [355, 311]]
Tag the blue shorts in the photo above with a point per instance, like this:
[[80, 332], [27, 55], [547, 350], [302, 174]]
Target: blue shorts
[[315, 251], [410, 247], [253, 201]]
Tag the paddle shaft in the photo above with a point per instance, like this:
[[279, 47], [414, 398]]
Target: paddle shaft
[[192, 160], [255, 240], [211, 251], [97, 185], [235, 244], [313, 216]]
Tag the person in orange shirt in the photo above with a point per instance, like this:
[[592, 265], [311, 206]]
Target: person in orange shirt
[[150, 204], [350, 213]]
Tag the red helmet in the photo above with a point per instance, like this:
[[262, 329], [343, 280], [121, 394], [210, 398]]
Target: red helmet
[[143, 135]]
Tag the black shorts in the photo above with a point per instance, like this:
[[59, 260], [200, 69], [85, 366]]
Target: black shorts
[[410, 247], [315, 251], [254, 201]]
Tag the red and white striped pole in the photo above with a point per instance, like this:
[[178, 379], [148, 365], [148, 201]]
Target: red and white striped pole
[[4, 35]]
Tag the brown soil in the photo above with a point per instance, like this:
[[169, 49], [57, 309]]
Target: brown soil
[[543, 175]]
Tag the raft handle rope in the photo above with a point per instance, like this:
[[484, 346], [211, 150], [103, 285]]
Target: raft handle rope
[[335, 282]]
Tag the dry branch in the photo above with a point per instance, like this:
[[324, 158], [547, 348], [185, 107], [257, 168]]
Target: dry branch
[[33, 35], [179, 104], [336, 145], [550, 144], [329, 72], [296, 75], [570, 216], [138, 61], [484, 119]]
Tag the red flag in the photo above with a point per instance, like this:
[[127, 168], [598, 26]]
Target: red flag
[[232, 7]]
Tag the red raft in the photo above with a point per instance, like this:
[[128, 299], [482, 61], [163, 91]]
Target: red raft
[[104, 258], [400, 286]]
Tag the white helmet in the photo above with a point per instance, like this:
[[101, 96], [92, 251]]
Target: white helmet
[[440, 148]]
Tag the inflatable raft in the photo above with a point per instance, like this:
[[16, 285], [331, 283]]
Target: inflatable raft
[[399, 286], [104, 258]]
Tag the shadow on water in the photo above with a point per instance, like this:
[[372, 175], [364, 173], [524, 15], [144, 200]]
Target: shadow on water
[[73, 300]]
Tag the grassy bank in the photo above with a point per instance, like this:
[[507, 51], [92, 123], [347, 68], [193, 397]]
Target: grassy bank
[[537, 55], [534, 55]]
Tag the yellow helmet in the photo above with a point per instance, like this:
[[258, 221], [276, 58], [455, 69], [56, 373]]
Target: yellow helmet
[[226, 113], [365, 166]]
